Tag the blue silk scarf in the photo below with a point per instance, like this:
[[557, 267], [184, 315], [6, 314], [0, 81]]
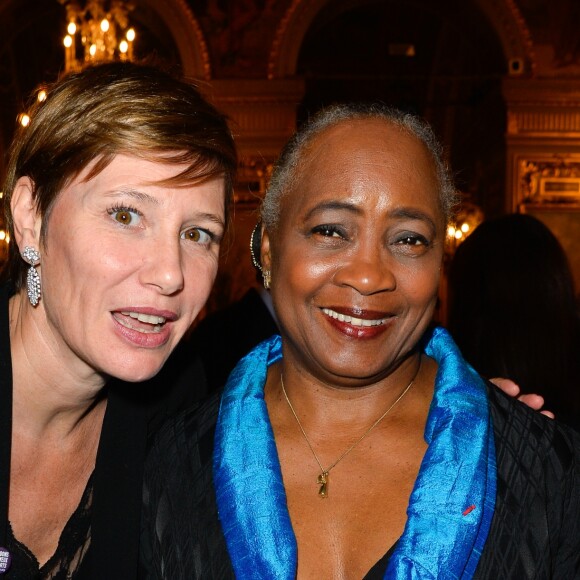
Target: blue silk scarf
[[451, 506]]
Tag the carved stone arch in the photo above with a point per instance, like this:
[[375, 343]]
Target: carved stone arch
[[503, 15], [187, 34], [513, 33], [289, 36]]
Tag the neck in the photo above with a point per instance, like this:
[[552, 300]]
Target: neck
[[323, 406], [50, 396]]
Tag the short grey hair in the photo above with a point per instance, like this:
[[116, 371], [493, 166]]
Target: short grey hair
[[286, 169]]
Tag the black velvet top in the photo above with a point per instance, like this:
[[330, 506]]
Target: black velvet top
[[535, 532], [101, 539]]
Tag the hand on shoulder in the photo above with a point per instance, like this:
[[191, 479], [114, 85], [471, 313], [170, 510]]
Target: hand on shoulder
[[535, 402]]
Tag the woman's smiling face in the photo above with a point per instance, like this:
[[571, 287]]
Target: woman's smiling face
[[356, 256], [126, 266]]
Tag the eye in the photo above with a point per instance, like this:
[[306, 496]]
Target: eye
[[198, 236], [413, 240], [329, 231], [126, 216], [412, 244]]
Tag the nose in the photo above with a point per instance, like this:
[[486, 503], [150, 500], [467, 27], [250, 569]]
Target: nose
[[368, 271], [163, 267]]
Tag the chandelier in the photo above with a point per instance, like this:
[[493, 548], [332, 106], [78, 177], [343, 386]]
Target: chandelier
[[97, 31]]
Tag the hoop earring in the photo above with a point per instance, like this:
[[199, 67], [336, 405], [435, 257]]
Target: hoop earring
[[255, 243], [33, 286], [267, 279]]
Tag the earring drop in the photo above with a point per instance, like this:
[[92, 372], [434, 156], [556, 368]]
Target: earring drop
[[267, 279], [33, 287]]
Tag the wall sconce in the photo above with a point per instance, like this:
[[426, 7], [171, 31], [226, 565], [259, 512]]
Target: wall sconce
[[467, 218]]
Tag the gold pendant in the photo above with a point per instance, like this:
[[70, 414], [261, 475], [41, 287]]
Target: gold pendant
[[322, 481]]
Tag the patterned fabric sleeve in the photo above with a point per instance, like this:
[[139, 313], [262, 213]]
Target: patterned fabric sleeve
[[535, 532], [181, 536]]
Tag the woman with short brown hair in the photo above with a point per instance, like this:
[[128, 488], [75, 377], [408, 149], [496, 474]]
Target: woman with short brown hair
[[116, 196]]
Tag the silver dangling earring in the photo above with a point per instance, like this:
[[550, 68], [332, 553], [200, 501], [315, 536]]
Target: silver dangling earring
[[33, 287], [267, 279]]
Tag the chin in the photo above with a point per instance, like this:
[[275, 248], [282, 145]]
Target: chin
[[136, 377], [135, 371]]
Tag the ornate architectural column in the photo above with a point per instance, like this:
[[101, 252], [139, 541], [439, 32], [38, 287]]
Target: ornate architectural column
[[263, 117]]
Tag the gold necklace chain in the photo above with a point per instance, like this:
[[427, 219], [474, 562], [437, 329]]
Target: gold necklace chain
[[323, 478]]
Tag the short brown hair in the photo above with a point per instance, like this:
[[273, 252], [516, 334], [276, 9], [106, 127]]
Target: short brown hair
[[108, 109]]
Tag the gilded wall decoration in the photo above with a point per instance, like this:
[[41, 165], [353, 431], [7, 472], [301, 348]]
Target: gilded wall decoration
[[553, 181]]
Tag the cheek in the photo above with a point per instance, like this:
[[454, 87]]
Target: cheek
[[308, 277], [62, 267], [421, 284], [82, 252], [301, 269], [199, 277], [111, 265]]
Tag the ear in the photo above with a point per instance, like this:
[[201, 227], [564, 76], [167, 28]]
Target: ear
[[25, 216], [265, 254]]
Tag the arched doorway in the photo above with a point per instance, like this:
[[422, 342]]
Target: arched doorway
[[444, 61]]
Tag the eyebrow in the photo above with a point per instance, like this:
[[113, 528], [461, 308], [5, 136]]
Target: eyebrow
[[133, 193], [333, 205], [212, 218], [146, 198], [414, 214], [398, 213]]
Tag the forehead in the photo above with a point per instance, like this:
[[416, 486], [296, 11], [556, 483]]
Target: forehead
[[147, 168], [152, 180], [371, 142], [362, 156]]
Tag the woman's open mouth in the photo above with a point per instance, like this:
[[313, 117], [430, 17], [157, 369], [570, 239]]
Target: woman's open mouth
[[146, 323]]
